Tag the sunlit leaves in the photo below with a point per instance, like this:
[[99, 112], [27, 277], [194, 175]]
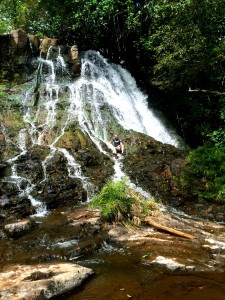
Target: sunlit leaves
[[205, 175]]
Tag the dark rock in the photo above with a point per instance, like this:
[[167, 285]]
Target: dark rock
[[153, 165], [5, 170], [14, 207], [29, 167], [18, 229]]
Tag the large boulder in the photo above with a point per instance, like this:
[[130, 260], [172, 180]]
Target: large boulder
[[35, 43], [42, 281], [46, 43], [154, 166], [20, 38]]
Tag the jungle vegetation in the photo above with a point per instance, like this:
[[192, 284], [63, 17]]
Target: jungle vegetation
[[174, 48]]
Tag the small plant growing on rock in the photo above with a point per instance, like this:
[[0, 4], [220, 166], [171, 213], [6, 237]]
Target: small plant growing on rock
[[118, 202], [112, 201]]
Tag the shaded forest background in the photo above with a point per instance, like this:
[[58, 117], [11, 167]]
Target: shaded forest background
[[174, 49]]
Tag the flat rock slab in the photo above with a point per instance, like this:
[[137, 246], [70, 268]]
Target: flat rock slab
[[42, 281], [19, 228]]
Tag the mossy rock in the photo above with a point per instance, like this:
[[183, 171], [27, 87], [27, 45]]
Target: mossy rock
[[74, 139]]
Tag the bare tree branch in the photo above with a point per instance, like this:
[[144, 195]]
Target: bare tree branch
[[213, 93]]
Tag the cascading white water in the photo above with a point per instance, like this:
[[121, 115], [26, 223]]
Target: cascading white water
[[24, 185], [105, 86], [37, 133], [106, 93], [53, 85]]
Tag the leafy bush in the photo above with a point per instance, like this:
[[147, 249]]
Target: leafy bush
[[112, 201], [205, 173], [118, 202]]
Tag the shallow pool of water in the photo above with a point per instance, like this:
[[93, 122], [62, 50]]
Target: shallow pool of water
[[122, 275]]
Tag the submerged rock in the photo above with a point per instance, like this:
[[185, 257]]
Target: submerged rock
[[170, 263], [42, 281]]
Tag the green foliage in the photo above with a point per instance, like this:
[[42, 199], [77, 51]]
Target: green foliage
[[5, 25], [112, 201], [218, 136], [205, 173], [118, 202], [183, 38], [148, 207], [20, 14]]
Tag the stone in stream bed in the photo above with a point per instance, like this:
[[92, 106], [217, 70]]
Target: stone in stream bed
[[20, 228], [41, 281]]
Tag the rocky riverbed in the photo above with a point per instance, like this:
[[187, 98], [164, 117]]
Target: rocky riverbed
[[65, 238]]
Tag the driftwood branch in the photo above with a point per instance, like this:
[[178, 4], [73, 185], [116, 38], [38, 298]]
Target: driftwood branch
[[213, 93], [170, 230]]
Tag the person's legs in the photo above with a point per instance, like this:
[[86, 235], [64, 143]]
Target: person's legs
[[122, 149], [118, 149], [114, 150]]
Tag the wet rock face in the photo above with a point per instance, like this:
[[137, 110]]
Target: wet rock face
[[30, 167], [154, 165], [13, 207], [59, 189], [96, 166], [61, 192]]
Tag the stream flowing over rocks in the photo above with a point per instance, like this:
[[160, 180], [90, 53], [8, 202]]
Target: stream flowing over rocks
[[60, 108]]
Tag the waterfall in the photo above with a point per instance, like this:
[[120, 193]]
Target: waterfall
[[107, 92], [104, 94]]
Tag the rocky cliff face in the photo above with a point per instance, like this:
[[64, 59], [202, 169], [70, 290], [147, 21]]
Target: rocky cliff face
[[18, 53], [155, 166]]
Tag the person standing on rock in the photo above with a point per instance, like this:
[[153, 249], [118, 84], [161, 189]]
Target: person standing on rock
[[118, 146]]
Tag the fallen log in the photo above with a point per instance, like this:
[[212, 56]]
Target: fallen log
[[168, 229]]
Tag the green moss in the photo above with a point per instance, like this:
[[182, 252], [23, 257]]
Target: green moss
[[63, 102], [13, 121], [73, 138]]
